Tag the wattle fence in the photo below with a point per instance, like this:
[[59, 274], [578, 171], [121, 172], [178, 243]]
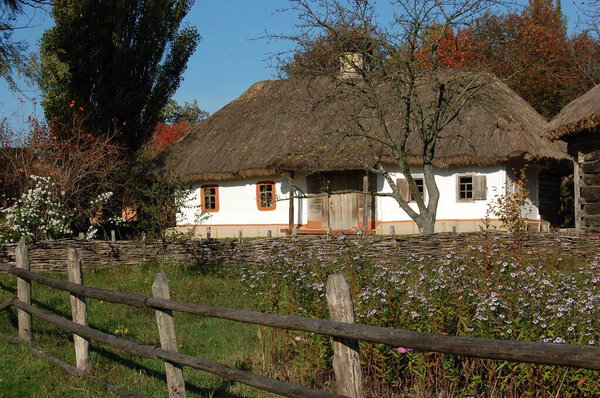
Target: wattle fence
[[50, 255], [341, 327]]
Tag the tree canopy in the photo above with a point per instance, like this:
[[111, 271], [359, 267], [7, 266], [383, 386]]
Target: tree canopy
[[121, 61], [529, 49], [189, 112], [11, 51]]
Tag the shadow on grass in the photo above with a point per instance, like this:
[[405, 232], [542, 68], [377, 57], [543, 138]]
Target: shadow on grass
[[220, 390]]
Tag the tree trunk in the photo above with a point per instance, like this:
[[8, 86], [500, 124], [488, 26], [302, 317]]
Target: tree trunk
[[426, 224]]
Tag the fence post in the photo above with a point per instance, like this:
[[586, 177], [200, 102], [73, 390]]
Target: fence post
[[23, 291], [240, 237], [113, 235], [168, 340], [269, 233], [393, 233], [78, 312], [346, 354]]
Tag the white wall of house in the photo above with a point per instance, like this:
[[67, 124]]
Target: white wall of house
[[449, 207], [238, 208]]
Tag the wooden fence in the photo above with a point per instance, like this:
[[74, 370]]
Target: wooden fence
[[345, 334]]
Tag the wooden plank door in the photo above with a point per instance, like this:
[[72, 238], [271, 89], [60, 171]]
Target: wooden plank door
[[343, 211]]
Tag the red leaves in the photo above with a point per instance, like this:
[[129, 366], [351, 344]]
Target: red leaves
[[166, 134], [446, 49]]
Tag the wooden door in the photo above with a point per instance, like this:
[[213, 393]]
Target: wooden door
[[343, 211], [339, 211]]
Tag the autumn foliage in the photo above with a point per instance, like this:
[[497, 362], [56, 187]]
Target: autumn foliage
[[532, 51], [446, 49], [165, 134]]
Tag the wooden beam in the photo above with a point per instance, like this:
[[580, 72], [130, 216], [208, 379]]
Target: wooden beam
[[168, 340], [365, 219], [577, 190], [79, 312], [346, 353], [291, 221], [23, 290]]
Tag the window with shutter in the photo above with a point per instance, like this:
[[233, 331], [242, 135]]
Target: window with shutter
[[405, 189], [479, 188], [402, 185], [465, 188], [471, 187]]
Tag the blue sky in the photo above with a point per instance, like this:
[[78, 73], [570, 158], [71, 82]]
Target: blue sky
[[229, 59]]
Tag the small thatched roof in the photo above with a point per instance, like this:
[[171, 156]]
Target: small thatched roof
[[284, 125], [583, 113]]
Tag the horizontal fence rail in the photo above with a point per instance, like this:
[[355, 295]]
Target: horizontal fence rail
[[510, 350], [155, 352]]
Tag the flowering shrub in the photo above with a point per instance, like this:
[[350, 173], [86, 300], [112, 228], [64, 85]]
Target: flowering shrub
[[38, 214], [477, 292]]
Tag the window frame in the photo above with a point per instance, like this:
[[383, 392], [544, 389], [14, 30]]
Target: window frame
[[203, 198], [259, 196], [423, 192], [405, 192], [478, 187], [458, 188]]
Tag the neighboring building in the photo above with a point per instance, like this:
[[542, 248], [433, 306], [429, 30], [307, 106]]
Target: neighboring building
[[578, 124], [245, 162]]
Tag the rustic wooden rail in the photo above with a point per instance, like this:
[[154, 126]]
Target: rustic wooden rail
[[345, 334]]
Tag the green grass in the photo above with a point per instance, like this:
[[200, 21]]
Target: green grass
[[230, 343]]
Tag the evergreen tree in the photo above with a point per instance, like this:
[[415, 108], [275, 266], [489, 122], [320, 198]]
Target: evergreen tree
[[120, 61]]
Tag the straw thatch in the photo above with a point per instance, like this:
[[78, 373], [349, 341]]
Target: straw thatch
[[285, 125], [581, 114]]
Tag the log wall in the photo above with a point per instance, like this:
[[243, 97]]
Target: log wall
[[585, 150], [51, 255]]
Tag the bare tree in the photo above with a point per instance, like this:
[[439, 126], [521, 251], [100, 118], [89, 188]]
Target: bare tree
[[402, 76]]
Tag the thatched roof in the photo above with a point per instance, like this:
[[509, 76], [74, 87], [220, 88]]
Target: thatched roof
[[583, 113], [284, 125]]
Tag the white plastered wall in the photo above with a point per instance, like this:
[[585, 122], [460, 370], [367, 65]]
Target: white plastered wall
[[452, 214], [238, 210]]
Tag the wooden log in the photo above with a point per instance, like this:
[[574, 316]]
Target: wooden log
[[593, 155], [346, 353], [365, 203], [592, 167], [154, 352], [577, 184], [291, 221], [78, 312], [591, 179], [591, 194], [587, 357], [23, 290], [168, 340]]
